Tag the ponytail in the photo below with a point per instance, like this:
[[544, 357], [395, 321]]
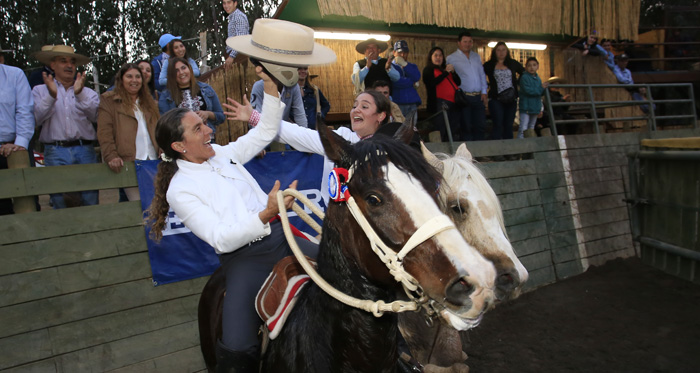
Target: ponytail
[[157, 214], [168, 130]]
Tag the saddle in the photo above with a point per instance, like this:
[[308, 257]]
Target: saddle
[[278, 294]]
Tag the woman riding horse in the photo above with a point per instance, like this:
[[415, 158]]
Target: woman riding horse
[[219, 201]]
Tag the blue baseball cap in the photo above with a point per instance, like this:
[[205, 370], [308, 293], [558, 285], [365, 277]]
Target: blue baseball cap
[[401, 46], [167, 38]]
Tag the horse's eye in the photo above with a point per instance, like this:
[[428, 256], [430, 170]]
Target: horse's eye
[[457, 209], [373, 200]]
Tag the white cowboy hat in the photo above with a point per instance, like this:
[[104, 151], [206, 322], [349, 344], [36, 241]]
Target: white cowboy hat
[[48, 52], [282, 42]]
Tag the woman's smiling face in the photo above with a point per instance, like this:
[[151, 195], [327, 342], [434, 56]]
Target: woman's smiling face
[[364, 117]]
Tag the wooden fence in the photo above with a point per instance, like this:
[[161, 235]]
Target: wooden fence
[[76, 288]]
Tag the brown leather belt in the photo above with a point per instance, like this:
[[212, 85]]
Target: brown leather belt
[[69, 143]]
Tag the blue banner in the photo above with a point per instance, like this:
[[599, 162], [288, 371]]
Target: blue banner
[[180, 255]]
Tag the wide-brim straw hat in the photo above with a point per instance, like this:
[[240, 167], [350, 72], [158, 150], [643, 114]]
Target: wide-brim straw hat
[[283, 43], [361, 46], [49, 52]]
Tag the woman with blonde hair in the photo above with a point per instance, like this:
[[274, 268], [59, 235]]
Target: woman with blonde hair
[[126, 122]]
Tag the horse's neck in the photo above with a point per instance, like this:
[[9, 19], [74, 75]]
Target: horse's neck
[[337, 337]]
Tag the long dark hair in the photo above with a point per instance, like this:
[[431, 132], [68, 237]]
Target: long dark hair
[[494, 59], [152, 82], [430, 59], [171, 84], [146, 102], [169, 129], [383, 104], [171, 46]]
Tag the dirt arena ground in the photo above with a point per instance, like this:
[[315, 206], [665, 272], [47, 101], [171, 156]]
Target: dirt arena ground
[[623, 316]]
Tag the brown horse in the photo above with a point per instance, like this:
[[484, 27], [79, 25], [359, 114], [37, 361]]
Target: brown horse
[[395, 190]]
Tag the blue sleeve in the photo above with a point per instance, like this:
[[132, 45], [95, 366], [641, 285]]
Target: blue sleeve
[[156, 74], [195, 68], [325, 105], [215, 106], [410, 76], [256, 96], [393, 73], [163, 77], [622, 78], [24, 111], [163, 104], [298, 108], [484, 83]]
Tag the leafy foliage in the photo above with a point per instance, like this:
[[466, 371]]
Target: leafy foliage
[[113, 32]]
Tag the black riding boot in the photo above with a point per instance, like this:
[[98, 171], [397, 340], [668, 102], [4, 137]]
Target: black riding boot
[[228, 361]]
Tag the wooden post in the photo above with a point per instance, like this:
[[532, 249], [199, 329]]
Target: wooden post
[[203, 52], [20, 159]]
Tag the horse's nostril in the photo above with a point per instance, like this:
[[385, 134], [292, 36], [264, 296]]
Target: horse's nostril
[[458, 293], [507, 280]]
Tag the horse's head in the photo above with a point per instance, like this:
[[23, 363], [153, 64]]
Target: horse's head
[[472, 204], [396, 190]]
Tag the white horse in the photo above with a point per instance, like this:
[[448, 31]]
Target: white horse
[[468, 199]]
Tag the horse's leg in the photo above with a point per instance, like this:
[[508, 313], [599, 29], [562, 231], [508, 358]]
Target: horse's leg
[[210, 310]]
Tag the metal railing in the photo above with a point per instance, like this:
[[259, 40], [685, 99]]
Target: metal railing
[[593, 105]]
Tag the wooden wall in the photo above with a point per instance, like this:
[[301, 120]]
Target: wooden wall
[[75, 285]]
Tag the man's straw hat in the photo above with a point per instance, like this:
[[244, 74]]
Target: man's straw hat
[[49, 52]]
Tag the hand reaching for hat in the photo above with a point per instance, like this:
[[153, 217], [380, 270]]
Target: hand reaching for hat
[[269, 84]]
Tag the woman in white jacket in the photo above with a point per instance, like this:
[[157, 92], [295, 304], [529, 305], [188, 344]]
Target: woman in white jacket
[[220, 202]]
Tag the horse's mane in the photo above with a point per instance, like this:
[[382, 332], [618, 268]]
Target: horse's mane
[[458, 169], [378, 150]]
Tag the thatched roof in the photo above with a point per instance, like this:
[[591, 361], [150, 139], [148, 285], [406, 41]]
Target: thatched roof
[[616, 19]]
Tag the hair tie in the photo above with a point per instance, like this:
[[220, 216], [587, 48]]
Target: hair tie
[[165, 158]]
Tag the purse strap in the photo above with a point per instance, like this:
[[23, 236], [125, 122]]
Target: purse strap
[[450, 81]]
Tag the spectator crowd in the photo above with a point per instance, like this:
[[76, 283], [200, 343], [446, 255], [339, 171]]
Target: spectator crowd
[[70, 119]]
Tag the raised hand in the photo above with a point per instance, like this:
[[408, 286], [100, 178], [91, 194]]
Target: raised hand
[[238, 111], [50, 84], [79, 83]]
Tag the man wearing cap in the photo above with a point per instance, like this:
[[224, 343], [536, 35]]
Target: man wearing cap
[[159, 59], [16, 118], [372, 68], [64, 110], [622, 73], [467, 64], [405, 94]]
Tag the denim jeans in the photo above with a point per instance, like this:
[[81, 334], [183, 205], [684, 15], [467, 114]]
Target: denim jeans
[[502, 116], [527, 122], [473, 124], [61, 156], [407, 108]]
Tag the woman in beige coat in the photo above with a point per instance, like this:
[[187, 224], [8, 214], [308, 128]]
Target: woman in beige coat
[[126, 122]]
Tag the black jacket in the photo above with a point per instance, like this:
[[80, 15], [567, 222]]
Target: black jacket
[[515, 68]]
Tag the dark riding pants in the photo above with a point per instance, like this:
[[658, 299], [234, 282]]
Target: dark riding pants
[[246, 270]]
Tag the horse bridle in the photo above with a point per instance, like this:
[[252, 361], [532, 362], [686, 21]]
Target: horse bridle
[[392, 260]]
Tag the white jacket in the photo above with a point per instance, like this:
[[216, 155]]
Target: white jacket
[[308, 140], [203, 199]]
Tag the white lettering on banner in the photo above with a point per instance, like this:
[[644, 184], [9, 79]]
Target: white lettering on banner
[[174, 225], [314, 195]]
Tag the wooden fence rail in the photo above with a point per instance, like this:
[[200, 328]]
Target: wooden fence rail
[[76, 292]]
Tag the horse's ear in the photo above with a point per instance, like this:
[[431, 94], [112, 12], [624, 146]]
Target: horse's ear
[[337, 148], [463, 152], [431, 158], [405, 132]]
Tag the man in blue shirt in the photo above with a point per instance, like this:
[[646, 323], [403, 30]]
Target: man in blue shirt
[[16, 117], [291, 96], [467, 64], [405, 94]]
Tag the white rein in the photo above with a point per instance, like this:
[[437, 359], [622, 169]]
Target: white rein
[[393, 261]]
